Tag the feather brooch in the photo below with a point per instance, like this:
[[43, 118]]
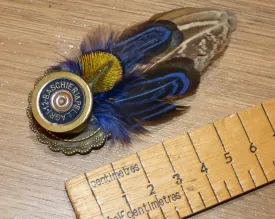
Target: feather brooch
[[120, 79]]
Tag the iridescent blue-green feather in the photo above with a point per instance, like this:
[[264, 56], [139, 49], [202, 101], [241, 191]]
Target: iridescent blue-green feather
[[141, 97]]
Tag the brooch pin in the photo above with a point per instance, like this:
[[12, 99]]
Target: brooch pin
[[119, 80]]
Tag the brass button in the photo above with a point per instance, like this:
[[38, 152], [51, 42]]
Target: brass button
[[61, 102]]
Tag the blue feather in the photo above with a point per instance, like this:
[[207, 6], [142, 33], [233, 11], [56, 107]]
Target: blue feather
[[132, 47], [139, 94], [113, 121], [140, 97], [101, 39], [145, 90], [140, 44], [70, 65], [160, 110]]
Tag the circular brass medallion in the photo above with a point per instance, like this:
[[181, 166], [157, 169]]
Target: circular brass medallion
[[61, 102]]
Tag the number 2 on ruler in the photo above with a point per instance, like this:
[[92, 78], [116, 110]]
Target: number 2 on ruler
[[152, 189]]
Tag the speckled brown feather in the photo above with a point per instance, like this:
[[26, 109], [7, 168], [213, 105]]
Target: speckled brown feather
[[206, 33]]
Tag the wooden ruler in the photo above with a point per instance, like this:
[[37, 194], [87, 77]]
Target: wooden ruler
[[184, 175]]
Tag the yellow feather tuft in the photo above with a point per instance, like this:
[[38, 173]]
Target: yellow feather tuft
[[101, 69]]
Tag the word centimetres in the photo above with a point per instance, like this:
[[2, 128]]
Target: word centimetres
[[184, 175]]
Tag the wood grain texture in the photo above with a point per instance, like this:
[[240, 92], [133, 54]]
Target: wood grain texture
[[36, 34], [183, 175]]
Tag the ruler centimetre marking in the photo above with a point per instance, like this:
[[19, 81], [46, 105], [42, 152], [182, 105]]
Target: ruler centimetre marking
[[184, 175]]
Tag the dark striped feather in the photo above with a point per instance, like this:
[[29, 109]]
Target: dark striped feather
[[143, 98]]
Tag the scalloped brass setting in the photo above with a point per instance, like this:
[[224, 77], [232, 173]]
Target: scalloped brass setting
[[78, 138]]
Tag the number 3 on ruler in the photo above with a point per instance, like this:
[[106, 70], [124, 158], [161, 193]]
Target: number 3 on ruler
[[179, 180]]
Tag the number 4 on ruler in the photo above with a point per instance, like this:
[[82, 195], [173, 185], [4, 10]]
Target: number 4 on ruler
[[243, 146]]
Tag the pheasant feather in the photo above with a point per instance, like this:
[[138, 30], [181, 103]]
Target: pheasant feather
[[132, 73]]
